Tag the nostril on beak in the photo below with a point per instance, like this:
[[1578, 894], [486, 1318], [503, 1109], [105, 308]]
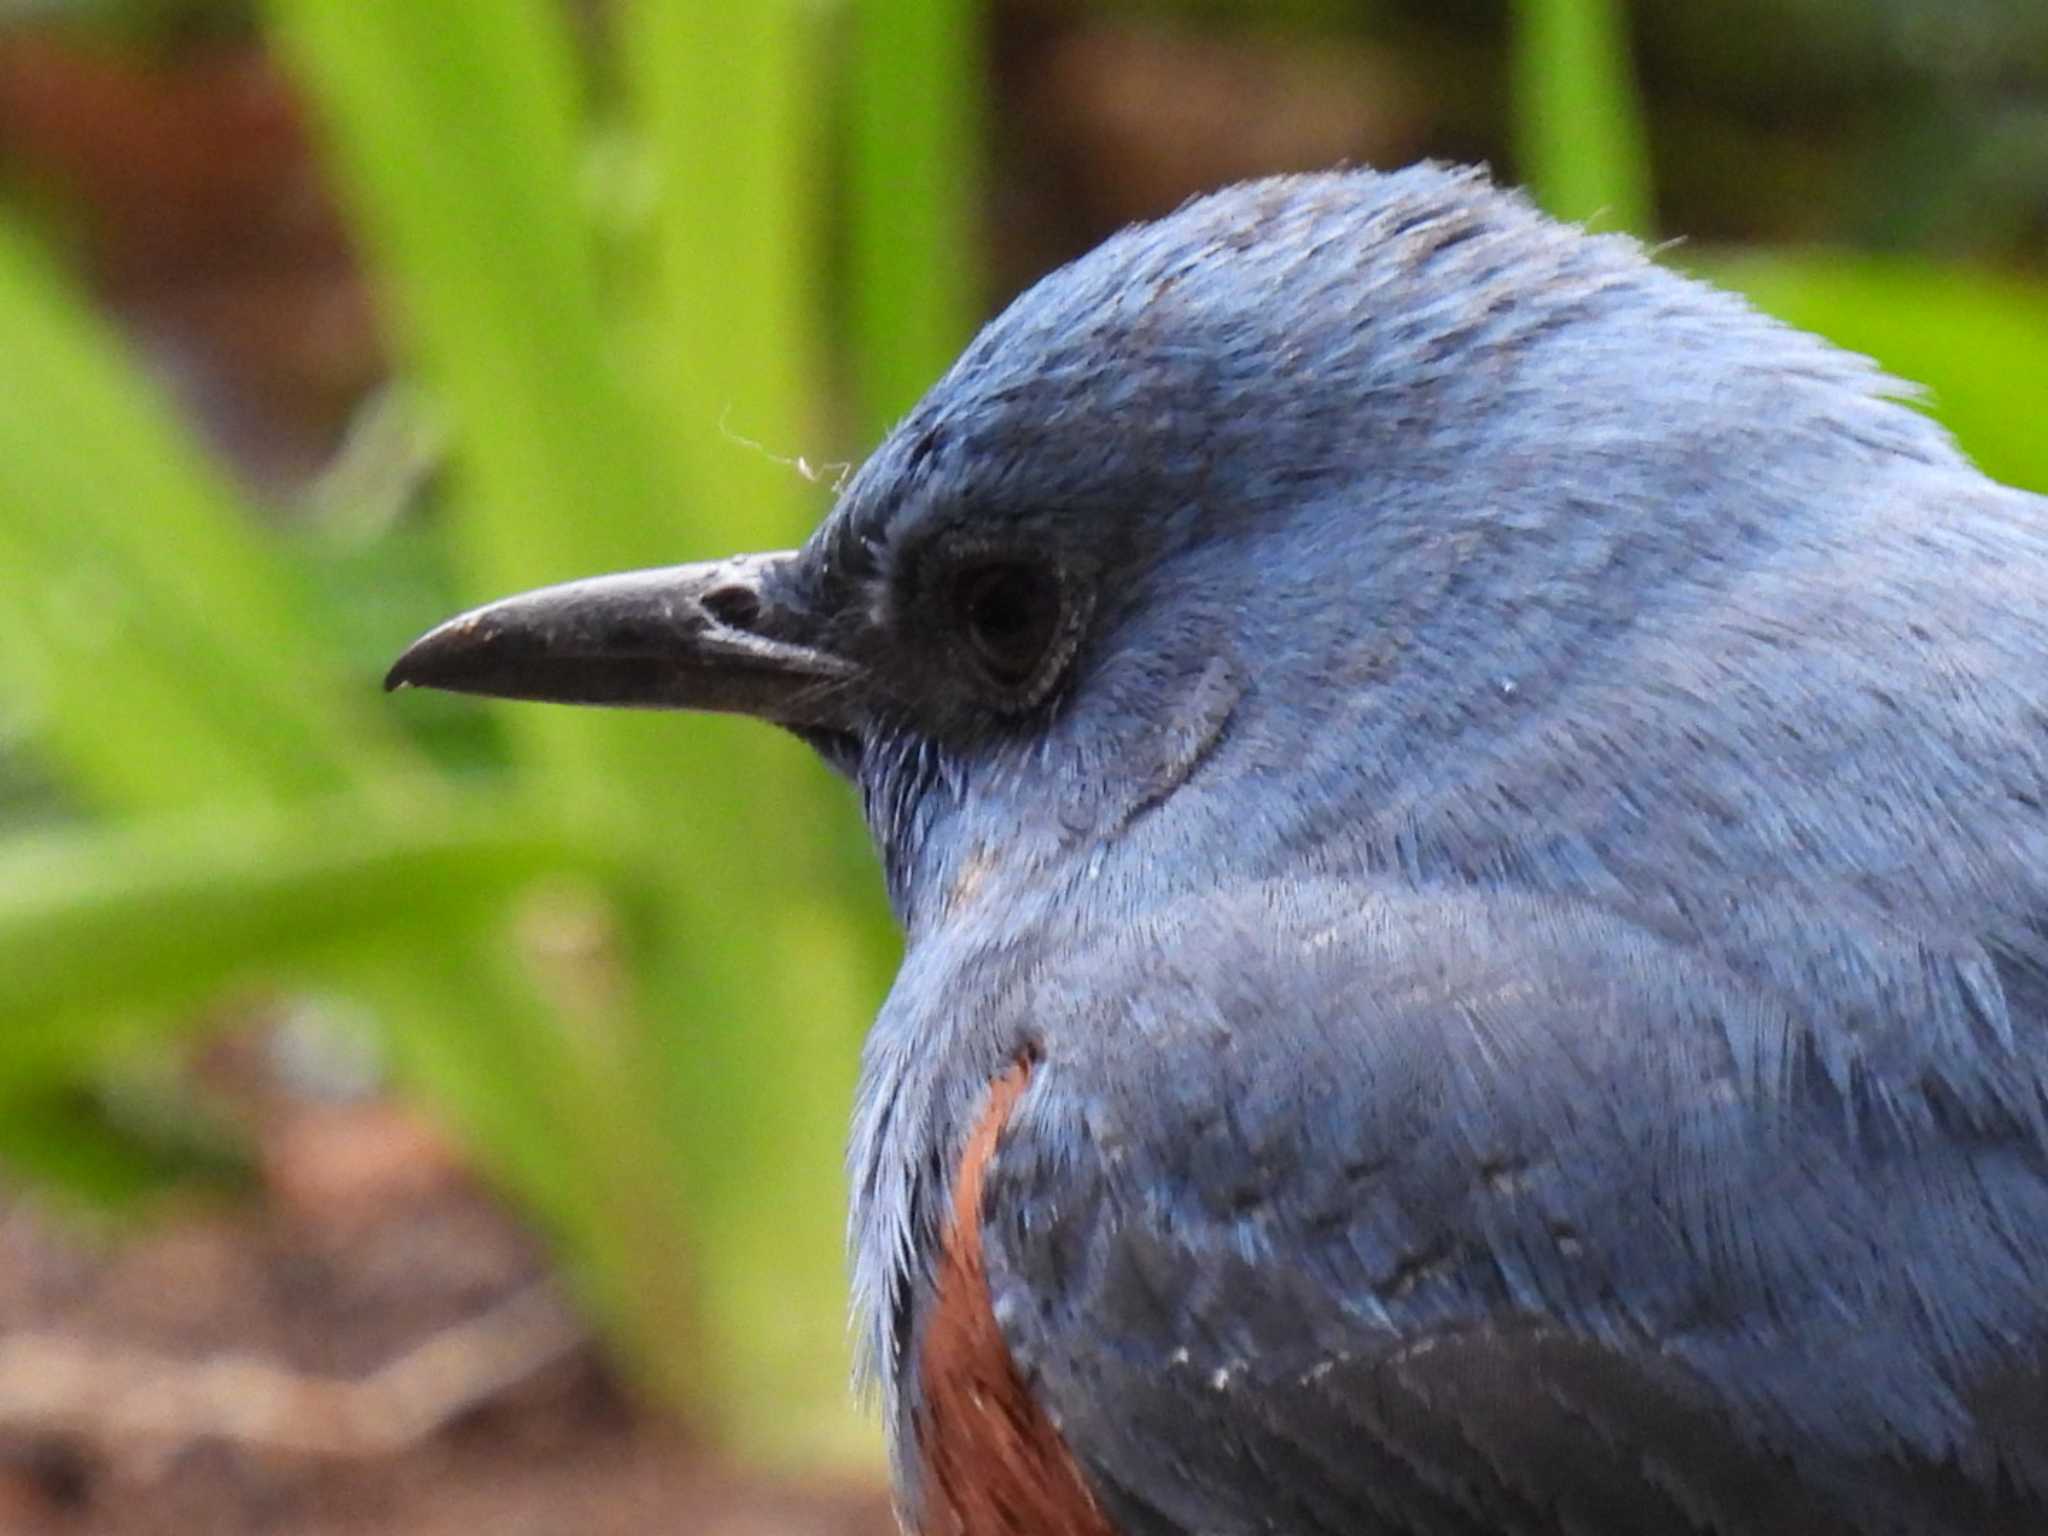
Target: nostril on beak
[[736, 607]]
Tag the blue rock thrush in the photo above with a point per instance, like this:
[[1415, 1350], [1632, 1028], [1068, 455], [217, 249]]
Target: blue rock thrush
[[1471, 819]]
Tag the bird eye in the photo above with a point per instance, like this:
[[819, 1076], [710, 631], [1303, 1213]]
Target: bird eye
[[1010, 613]]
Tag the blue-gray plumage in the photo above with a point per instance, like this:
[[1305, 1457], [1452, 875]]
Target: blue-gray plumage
[[1490, 807]]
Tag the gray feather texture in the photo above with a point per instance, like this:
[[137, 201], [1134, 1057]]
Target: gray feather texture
[[1530, 898]]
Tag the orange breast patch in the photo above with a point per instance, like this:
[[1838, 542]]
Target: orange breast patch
[[993, 1463]]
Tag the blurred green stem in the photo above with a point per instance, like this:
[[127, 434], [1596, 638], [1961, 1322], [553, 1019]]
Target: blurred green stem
[[916, 163], [731, 314], [1579, 131]]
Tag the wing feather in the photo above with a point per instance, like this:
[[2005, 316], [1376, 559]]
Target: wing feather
[[1472, 1213]]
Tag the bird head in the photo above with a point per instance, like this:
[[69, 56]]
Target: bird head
[[1297, 484]]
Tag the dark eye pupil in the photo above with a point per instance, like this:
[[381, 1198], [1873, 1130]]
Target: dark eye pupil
[[1010, 612]]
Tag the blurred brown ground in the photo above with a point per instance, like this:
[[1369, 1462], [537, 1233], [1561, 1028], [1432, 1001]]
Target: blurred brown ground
[[370, 1346]]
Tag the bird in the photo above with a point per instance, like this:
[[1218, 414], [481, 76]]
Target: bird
[[1469, 816]]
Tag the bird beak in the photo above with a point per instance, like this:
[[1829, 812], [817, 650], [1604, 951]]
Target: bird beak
[[718, 636]]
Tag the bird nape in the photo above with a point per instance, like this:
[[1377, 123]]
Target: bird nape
[[1471, 820]]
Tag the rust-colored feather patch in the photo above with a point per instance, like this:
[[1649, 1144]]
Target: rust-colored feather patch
[[993, 1463]]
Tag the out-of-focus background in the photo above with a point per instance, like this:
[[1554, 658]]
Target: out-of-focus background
[[417, 1116]]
